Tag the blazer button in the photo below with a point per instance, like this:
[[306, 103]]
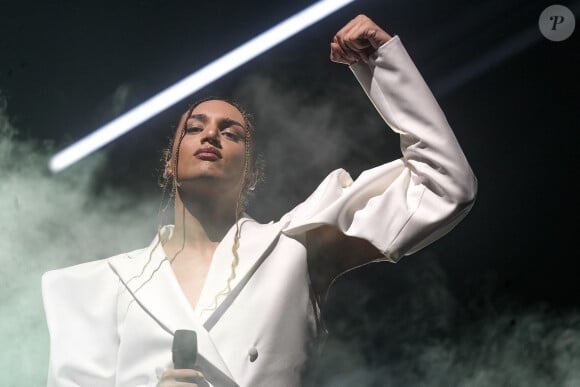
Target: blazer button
[[253, 354]]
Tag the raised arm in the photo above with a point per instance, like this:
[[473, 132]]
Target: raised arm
[[397, 208]]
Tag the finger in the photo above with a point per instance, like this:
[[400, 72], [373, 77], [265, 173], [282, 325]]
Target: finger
[[361, 46], [358, 45], [345, 50], [338, 55], [357, 51], [376, 37], [354, 41], [362, 32], [343, 34], [174, 383], [353, 38], [189, 376], [181, 374], [363, 38], [353, 28]]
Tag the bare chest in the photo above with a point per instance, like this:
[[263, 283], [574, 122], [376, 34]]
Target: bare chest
[[191, 273]]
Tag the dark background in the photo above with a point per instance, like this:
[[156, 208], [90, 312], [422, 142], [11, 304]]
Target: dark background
[[511, 95]]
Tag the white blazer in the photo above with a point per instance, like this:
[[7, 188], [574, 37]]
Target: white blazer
[[111, 321]]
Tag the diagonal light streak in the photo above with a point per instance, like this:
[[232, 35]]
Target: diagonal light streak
[[194, 82]]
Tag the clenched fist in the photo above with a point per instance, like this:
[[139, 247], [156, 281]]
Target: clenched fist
[[357, 40]]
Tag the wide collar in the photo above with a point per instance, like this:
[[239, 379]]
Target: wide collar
[[150, 279]]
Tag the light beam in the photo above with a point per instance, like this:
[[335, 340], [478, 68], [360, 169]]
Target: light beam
[[192, 83]]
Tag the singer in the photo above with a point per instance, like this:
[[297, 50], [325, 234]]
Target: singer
[[251, 291]]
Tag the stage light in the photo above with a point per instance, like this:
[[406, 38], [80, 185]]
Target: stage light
[[194, 82]]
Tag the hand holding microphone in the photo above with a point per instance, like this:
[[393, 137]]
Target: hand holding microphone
[[184, 355]]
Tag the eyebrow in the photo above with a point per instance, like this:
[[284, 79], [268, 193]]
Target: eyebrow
[[222, 122]]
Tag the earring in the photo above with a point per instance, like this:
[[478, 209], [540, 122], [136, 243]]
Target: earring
[[167, 171]]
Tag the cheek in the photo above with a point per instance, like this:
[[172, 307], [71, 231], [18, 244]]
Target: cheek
[[186, 144], [185, 148], [237, 158], [182, 153]]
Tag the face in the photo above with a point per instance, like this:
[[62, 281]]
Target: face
[[212, 146]]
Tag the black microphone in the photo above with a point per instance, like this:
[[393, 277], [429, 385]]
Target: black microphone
[[184, 349]]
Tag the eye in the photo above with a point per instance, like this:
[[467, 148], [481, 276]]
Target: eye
[[232, 135], [193, 129]]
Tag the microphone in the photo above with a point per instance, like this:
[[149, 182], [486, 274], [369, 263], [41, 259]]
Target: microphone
[[184, 349]]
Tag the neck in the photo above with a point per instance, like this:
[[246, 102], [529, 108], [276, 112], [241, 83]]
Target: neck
[[202, 221]]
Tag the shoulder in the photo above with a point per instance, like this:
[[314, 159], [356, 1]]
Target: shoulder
[[83, 273], [75, 286], [77, 273], [84, 281]]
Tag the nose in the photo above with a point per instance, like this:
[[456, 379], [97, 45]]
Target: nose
[[212, 135]]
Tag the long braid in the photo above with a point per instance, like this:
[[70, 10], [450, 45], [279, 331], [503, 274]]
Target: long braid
[[175, 179], [175, 185], [162, 208], [239, 209]]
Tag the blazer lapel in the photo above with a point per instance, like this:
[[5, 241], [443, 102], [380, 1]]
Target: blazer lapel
[[149, 278], [255, 242]]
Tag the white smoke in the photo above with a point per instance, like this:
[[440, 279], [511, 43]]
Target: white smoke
[[304, 137], [421, 336], [47, 222]]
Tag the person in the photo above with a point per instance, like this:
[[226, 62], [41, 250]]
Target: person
[[250, 291]]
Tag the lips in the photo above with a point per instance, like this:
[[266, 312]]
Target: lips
[[208, 153]]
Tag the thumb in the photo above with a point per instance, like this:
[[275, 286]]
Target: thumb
[[376, 37], [371, 36]]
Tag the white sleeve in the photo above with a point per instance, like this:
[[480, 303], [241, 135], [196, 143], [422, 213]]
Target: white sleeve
[[81, 313], [404, 205]]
